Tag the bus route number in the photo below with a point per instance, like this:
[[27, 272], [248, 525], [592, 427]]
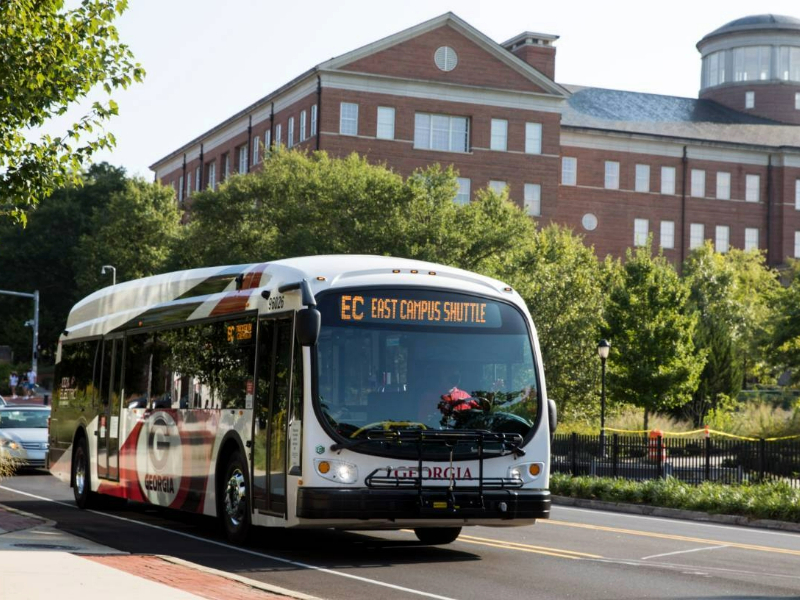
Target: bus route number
[[275, 303]]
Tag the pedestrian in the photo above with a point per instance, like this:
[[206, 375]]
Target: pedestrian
[[31, 377], [13, 382]]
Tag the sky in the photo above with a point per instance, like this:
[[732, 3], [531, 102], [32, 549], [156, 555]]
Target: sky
[[206, 60]]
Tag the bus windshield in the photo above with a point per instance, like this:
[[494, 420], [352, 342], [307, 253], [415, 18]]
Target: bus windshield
[[423, 360]]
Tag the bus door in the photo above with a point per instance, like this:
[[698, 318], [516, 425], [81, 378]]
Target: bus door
[[270, 442], [108, 425]]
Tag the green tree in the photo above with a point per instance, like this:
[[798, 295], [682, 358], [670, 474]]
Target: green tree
[[51, 58], [561, 281], [109, 219], [135, 233], [653, 363], [785, 344]]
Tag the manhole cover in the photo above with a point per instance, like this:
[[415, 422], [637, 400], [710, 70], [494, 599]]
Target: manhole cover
[[46, 546]]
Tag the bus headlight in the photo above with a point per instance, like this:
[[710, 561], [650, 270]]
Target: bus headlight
[[336, 470], [526, 471]]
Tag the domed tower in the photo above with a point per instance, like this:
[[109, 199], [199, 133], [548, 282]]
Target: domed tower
[[753, 65]]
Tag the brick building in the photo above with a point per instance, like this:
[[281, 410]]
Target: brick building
[[614, 166]]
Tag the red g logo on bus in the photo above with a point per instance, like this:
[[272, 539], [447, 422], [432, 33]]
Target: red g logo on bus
[[159, 459]]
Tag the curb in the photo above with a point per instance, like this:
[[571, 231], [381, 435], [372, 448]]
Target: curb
[[266, 587], [42, 521], [675, 513]]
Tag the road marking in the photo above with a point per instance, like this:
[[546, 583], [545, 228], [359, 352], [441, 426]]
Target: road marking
[[666, 536], [525, 547], [685, 551], [238, 549], [738, 528]]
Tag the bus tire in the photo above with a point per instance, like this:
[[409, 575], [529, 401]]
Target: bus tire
[[435, 536], [82, 476], [234, 499]]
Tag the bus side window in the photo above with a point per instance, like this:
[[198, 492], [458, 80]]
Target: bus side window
[[136, 378], [75, 375]]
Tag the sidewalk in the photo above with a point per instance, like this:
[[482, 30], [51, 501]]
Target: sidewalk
[[40, 562]]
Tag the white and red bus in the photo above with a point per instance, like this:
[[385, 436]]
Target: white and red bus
[[351, 392]]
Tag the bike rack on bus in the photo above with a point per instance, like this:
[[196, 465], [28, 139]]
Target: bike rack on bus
[[382, 478]]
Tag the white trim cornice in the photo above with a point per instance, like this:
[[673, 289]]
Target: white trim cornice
[[447, 92]]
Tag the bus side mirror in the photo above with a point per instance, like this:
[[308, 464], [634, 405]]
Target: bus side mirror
[[307, 326], [552, 416]]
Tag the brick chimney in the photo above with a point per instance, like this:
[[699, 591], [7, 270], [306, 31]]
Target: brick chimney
[[536, 49]]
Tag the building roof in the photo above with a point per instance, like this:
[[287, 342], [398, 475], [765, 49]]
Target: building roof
[[756, 23], [671, 116]]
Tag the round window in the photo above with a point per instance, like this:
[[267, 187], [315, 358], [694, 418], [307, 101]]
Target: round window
[[589, 222], [445, 58]]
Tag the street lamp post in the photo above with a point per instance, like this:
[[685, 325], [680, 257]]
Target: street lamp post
[[106, 268], [602, 351]]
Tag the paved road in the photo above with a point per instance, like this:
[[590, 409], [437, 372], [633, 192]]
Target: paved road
[[577, 554]]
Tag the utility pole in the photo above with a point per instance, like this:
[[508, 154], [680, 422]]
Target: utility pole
[[35, 324]]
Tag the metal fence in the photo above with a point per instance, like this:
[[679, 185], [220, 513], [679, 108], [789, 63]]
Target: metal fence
[[689, 460]]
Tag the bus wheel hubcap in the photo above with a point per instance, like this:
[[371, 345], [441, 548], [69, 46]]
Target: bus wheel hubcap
[[80, 475], [235, 497]]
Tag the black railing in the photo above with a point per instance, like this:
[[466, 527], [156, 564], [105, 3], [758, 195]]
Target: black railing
[[724, 460]]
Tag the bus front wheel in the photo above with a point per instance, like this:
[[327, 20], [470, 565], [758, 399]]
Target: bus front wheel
[[234, 503], [435, 536]]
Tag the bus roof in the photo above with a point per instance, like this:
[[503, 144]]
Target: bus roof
[[215, 291]]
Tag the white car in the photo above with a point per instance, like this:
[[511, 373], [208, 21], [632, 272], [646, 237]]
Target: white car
[[23, 434]]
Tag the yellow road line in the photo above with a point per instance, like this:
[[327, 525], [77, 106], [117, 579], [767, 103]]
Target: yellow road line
[[508, 547], [667, 536], [519, 546]]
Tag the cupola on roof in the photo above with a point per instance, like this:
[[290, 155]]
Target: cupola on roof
[[756, 23]]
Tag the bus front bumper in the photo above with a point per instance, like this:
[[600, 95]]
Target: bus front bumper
[[366, 504]]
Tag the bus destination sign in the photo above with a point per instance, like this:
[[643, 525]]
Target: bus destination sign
[[357, 308]]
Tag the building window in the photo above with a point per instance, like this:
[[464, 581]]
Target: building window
[[278, 135], [197, 182], [302, 126], [697, 235], [797, 194], [612, 175], [668, 180], [642, 178], [749, 99], [212, 175], [290, 133], [723, 186], [445, 58], [641, 227], [752, 188], [441, 132], [243, 159], [797, 100], [497, 186], [189, 186], [348, 118], [751, 63], [722, 239], [667, 234], [226, 165], [267, 139], [256, 150], [314, 120], [589, 222], [569, 170], [499, 135], [751, 238], [797, 244], [714, 69], [533, 199], [698, 183], [180, 188], [533, 138], [385, 129], [462, 195]]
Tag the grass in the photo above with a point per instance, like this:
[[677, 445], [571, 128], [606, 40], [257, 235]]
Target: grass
[[775, 500], [7, 467]]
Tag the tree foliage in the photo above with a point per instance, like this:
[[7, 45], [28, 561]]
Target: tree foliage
[[785, 344], [50, 58], [653, 363], [108, 219]]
